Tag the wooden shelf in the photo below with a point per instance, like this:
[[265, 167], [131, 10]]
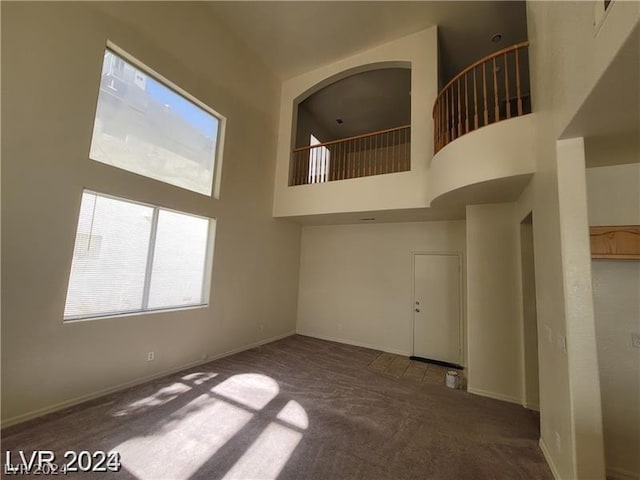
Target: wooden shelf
[[620, 242]]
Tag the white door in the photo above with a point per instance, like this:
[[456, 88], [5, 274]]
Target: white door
[[436, 315]]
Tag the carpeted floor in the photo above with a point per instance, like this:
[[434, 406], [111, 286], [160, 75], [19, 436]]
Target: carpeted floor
[[299, 408]]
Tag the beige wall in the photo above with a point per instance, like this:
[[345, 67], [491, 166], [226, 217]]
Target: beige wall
[[51, 60], [493, 302], [380, 192], [566, 59], [614, 199], [356, 280]]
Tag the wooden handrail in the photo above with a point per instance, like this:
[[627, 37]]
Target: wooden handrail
[[356, 137], [376, 153], [517, 46]]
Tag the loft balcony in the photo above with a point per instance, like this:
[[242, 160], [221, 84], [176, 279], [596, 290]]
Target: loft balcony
[[493, 89], [483, 135]]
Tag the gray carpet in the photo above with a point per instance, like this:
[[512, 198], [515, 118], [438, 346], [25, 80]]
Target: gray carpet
[[295, 409]]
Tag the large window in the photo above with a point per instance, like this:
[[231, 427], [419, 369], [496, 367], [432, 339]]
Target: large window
[[132, 257], [145, 126]]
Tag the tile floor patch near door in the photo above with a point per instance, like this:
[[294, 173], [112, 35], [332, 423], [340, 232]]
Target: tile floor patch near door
[[399, 366]]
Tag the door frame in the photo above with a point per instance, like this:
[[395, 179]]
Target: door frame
[[450, 253]]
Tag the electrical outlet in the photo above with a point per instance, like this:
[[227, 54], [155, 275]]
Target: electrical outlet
[[558, 442], [635, 340], [339, 327], [150, 356], [262, 327], [561, 342]]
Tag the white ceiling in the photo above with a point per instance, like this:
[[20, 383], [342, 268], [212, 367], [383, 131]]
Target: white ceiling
[[612, 108], [293, 37]]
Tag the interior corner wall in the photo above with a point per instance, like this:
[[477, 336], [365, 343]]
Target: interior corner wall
[[494, 318], [567, 57], [52, 53], [614, 199], [356, 280]]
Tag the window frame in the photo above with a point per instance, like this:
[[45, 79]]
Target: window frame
[[222, 120], [206, 274]]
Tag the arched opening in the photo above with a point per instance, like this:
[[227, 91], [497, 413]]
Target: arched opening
[[354, 124]]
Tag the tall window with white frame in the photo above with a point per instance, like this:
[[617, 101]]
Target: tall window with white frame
[[148, 126], [132, 257], [135, 257]]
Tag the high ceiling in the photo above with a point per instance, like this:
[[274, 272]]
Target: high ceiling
[[293, 37]]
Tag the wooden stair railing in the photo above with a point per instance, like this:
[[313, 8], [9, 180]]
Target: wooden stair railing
[[490, 90], [376, 153]]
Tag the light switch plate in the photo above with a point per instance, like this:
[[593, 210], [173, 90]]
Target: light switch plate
[[635, 340]]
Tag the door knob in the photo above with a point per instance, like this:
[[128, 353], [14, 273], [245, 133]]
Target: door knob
[[417, 310]]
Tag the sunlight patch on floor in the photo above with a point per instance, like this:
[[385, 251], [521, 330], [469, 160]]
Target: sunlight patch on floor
[[162, 396], [267, 456], [182, 446], [250, 389], [294, 414], [198, 378]]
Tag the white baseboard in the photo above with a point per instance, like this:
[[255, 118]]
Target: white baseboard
[[547, 457], [495, 396], [138, 381], [354, 343], [531, 406], [621, 474]]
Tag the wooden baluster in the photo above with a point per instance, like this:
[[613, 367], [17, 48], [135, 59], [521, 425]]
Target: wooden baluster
[[453, 115], [396, 151], [354, 154], [301, 159], [404, 149], [475, 101], [466, 104], [347, 160], [294, 171], [408, 148], [371, 154], [446, 123], [495, 92], [435, 128], [484, 92], [343, 160], [441, 121], [440, 115], [312, 162], [360, 157], [518, 84], [374, 153], [436, 120], [385, 153], [331, 171], [325, 165], [459, 111], [506, 85]]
